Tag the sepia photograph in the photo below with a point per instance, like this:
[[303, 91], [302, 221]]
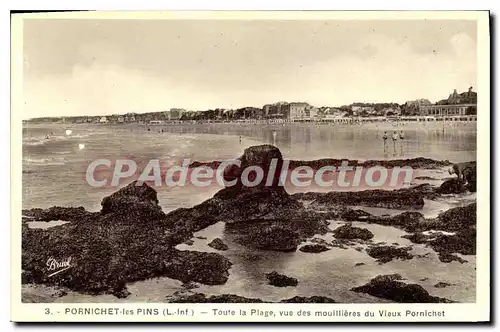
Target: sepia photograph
[[251, 158]]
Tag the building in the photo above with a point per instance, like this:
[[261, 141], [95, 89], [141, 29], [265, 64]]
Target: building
[[455, 105], [299, 111], [103, 120], [449, 110]]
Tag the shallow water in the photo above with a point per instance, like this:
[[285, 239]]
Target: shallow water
[[54, 169]]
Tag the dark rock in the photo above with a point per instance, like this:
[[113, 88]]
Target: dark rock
[[418, 237], [391, 288], [415, 163], [190, 285], [121, 293], [186, 297], [201, 237], [442, 284], [339, 243], [280, 280], [448, 258], [384, 254], [349, 232], [314, 248], [424, 279], [135, 198], [192, 266], [256, 204], [451, 186], [470, 178], [262, 156], [311, 299], [277, 235], [354, 215], [393, 199], [456, 219], [460, 225], [319, 240], [359, 264], [189, 242], [189, 297], [218, 244], [56, 213], [425, 178]]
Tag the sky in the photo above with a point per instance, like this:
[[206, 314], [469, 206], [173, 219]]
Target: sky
[[100, 67]]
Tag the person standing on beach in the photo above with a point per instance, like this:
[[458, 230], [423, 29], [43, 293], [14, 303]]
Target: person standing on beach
[[401, 137], [385, 139], [394, 139]]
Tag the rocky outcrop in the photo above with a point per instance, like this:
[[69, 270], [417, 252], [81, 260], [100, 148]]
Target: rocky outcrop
[[442, 284], [128, 241], [349, 232], [410, 198], [420, 162], [193, 266], [280, 280], [451, 186], [190, 297], [314, 248], [391, 287], [218, 244], [137, 199], [57, 213], [384, 254], [311, 299], [276, 235], [453, 231], [458, 186]]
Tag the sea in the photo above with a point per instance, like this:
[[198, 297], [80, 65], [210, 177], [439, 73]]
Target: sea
[[54, 173]]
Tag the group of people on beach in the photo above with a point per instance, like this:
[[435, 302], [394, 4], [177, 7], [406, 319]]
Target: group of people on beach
[[395, 138]]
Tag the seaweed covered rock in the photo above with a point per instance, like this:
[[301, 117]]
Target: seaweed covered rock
[[456, 219], [194, 266], [311, 299], [384, 254], [190, 297], [354, 215], [314, 248], [392, 199], [451, 186], [276, 235], [136, 199], [349, 232], [280, 280], [391, 287], [218, 244], [57, 213], [265, 156]]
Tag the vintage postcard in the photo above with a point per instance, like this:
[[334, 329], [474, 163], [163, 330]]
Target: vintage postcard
[[250, 166]]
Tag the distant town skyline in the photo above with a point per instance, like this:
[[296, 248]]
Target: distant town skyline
[[102, 67]]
